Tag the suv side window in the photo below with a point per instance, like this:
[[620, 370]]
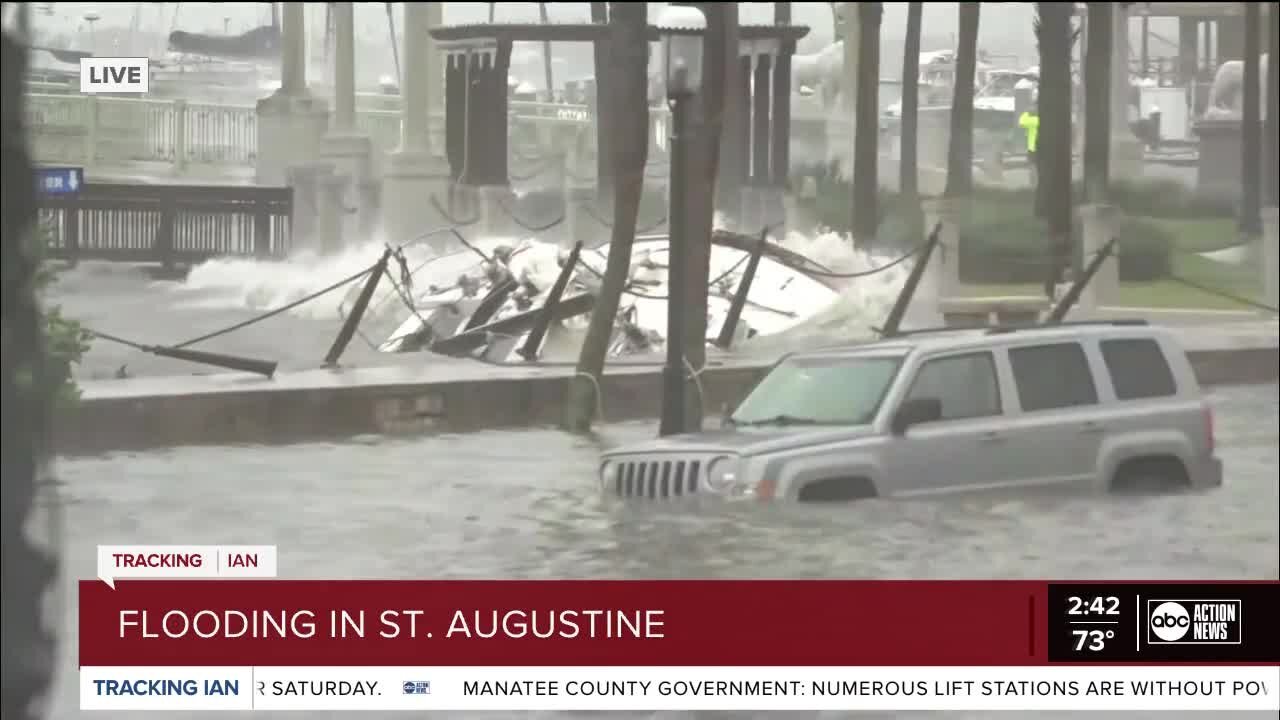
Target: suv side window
[[1052, 376], [966, 385], [1138, 369]]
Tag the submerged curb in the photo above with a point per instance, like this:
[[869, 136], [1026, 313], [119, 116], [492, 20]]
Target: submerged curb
[[306, 407]]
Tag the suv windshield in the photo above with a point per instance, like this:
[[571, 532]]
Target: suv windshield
[[830, 390]]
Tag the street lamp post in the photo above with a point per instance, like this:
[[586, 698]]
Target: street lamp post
[[681, 28]]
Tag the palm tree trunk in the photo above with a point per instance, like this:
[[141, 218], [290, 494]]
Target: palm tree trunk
[[1097, 102], [908, 129], [627, 88], [604, 114], [1053, 148], [546, 54], [1251, 140], [1273, 110], [960, 144], [866, 132]]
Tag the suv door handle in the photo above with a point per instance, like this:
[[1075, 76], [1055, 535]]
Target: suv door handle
[[1092, 428], [992, 436]]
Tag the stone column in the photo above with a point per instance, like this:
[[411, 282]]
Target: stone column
[[332, 192], [944, 275], [414, 176], [347, 147], [1126, 149], [1100, 223], [433, 61], [840, 125], [291, 121], [1271, 256]]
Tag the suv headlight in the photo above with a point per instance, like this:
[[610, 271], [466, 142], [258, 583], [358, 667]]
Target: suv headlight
[[722, 474], [609, 473]]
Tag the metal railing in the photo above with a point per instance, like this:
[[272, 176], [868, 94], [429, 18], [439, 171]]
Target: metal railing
[[98, 130], [168, 224]]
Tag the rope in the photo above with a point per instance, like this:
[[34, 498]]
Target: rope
[[538, 229], [1223, 294], [594, 215], [435, 203], [694, 375], [272, 313], [595, 388]]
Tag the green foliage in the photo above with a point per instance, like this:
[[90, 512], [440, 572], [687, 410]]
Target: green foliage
[[1003, 243], [65, 341]]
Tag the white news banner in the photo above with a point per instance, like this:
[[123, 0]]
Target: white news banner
[[681, 688], [123, 562]]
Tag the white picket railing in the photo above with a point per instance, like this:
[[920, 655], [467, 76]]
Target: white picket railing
[[94, 131]]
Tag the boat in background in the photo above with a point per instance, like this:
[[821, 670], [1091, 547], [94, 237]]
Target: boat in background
[[489, 307]]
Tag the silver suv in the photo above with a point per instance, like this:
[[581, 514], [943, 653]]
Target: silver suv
[[1105, 406]]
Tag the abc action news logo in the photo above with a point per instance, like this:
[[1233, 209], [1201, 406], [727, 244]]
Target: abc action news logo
[[115, 75], [1194, 622]]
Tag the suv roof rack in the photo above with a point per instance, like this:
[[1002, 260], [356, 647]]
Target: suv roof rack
[[1127, 322], [998, 329]]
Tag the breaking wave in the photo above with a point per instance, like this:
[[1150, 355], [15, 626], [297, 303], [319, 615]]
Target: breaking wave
[[243, 283]]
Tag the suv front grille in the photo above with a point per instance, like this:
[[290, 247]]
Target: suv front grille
[[657, 479]]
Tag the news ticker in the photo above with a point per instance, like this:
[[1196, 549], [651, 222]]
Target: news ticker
[[1163, 622], [1027, 688]]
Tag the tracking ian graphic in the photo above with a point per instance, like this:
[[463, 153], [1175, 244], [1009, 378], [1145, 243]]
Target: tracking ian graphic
[[213, 627]]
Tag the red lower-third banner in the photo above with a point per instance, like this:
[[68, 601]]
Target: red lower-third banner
[[666, 623]]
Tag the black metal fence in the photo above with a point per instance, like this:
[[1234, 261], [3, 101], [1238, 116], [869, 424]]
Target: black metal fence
[[168, 224]]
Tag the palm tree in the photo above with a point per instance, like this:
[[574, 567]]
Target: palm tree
[[546, 53], [1053, 147], [908, 172], [1251, 140], [866, 181], [1273, 111], [960, 144], [627, 88], [604, 116], [1097, 102]]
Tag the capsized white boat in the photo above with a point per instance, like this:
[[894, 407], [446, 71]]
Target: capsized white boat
[[486, 309]]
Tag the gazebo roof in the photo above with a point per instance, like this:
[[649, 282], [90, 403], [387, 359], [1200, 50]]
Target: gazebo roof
[[584, 32]]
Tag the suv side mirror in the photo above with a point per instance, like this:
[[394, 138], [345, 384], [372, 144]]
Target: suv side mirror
[[916, 411], [725, 412]]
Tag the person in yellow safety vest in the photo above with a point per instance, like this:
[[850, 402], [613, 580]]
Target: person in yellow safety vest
[[1029, 121]]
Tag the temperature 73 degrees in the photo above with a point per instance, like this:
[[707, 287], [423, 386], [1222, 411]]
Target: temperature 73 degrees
[[1092, 640]]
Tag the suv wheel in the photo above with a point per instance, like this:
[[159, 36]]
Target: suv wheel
[[1145, 476]]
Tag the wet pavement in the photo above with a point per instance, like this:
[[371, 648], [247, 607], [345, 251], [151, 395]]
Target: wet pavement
[[525, 505]]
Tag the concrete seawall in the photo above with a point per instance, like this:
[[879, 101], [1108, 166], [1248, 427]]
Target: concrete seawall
[[448, 395]]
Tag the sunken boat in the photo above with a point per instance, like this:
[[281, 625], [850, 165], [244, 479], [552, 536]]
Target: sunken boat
[[500, 306]]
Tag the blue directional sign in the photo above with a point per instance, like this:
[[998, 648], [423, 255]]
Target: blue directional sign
[[59, 180]]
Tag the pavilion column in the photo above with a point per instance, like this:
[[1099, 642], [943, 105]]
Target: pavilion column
[[455, 113], [348, 148], [761, 132], [291, 121], [1188, 50], [415, 179], [780, 158], [485, 181], [1126, 149], [761, 196]]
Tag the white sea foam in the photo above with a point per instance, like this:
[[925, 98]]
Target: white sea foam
[[243, 283]]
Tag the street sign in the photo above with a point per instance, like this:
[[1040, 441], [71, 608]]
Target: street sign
[[59, 180]]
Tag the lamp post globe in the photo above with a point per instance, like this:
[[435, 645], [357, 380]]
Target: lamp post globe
[[681, 28]]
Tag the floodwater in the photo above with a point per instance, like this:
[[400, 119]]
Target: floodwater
[[524, 504]]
